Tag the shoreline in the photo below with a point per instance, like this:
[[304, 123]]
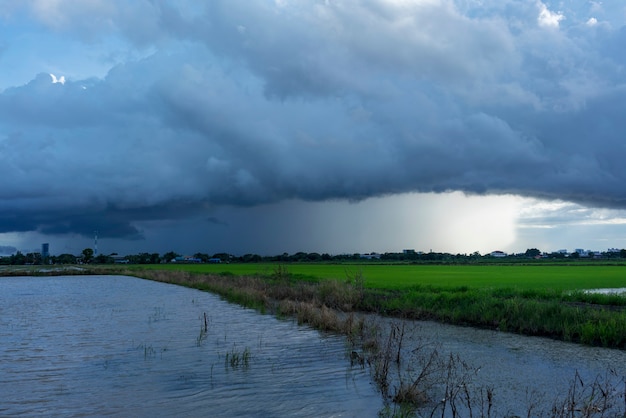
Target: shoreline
[[578, 316]]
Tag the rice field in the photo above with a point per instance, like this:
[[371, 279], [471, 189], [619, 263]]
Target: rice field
[[402, 276]]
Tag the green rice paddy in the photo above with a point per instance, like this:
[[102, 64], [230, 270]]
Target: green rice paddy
[[402, 276], [533, 299]]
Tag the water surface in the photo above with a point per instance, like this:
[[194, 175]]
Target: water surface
[[122, 346]]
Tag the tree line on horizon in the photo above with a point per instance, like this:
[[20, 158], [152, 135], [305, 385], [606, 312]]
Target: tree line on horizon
[[87, 257]]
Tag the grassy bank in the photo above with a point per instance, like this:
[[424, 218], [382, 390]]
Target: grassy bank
[[550, 311], [540, 300], [576, 317]]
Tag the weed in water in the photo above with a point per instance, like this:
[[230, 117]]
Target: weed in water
[[148, 351], [157, 315], [204, 329], [237, 359], [201, 337]]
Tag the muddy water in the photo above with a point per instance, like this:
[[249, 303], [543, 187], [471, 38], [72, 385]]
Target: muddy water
[[121, 346]]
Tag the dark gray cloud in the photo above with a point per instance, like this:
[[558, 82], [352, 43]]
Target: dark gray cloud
[[246, 103], [7, 249]]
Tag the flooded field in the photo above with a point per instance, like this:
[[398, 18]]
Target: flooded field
[[122, 346]]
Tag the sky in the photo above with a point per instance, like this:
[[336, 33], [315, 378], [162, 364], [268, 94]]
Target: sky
[[321, 126]]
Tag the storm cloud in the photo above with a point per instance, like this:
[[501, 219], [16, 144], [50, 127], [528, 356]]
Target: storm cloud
[[246, 103]]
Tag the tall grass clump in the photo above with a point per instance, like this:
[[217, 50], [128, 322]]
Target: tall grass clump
[[236, 358]]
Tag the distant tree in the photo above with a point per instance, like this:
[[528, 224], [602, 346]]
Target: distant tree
[[148, 258], [574, 255], [391, 256], [33, 258], [103, 259], [65, 259], [299, 256], [202, 256], [169, 256], [313, 257], [222, 256], [532, 252], [557, 255], [622, 253], [87, 255], [18, 259], [251, 258]]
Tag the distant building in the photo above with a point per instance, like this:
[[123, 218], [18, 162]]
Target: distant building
[[45, 251], [118, 259], [408, 251], [370, 256], [498, 254], [186, 259]]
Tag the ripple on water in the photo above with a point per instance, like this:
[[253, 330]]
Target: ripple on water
[[121, 346]]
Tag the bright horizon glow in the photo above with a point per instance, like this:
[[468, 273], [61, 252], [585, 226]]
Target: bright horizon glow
[[450, 222]]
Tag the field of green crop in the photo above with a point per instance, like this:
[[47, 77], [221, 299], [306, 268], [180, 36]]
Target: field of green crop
[[398, 276]]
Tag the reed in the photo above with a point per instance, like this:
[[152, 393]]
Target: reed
[[204, 330], [427, 384], [236, 358]]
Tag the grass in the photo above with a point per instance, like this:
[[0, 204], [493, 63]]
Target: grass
[[402, 276], [236, 358]]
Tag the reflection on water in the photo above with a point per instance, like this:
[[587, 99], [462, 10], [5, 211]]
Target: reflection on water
[[121, 346], [609, 291]]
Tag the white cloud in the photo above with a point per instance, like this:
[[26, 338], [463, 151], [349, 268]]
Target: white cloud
[[57, 80], [548, 18]]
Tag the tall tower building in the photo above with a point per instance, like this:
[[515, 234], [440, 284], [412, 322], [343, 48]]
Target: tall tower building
[[45, 251]]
